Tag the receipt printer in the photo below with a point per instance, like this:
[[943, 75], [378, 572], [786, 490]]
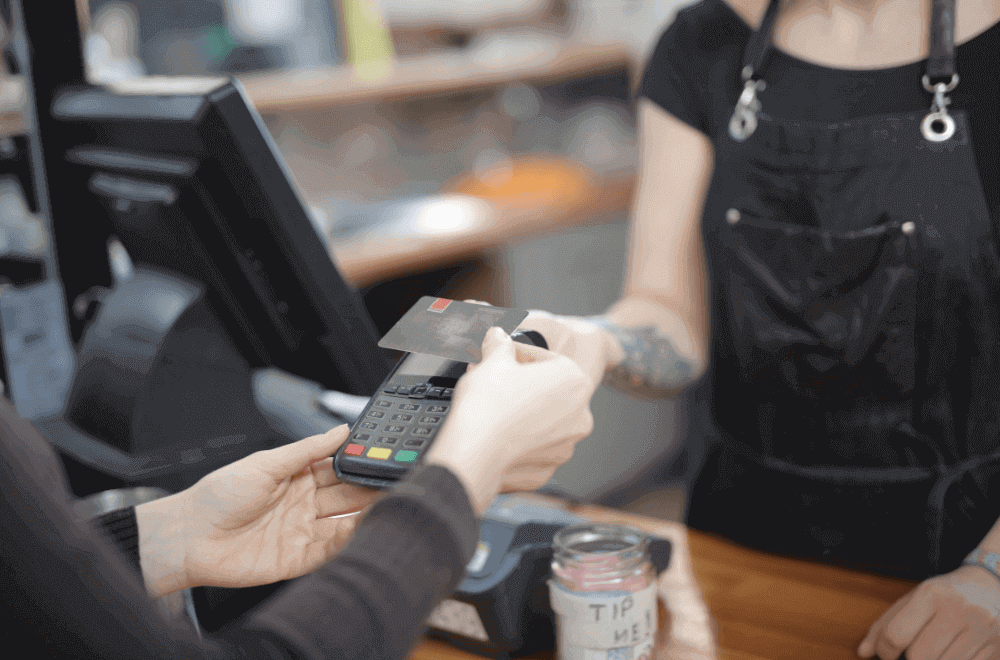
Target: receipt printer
[[502, 609]]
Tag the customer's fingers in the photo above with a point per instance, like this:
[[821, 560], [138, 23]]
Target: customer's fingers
[[497, 346], [529, 353], [323, 473], [283, 462], [523, 353], [342, 498]]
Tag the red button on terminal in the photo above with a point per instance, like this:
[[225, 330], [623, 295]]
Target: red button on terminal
[[354, 450]]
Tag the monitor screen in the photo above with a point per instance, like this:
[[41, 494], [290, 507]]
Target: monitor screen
[[189, 181]]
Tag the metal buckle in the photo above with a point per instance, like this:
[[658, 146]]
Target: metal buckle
[[744, 119], [938, 125]]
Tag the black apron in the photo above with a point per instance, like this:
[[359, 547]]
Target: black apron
[[852, 403]]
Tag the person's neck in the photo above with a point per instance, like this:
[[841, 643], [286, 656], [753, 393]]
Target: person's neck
[[853, 34], [752, 11], [866, 10]]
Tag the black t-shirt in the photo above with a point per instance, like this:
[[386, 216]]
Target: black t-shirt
[[694, 74]]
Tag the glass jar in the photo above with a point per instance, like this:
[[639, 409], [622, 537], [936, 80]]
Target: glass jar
[[603, 593]]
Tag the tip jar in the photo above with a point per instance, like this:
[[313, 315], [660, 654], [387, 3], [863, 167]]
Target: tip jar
[[603, 593]]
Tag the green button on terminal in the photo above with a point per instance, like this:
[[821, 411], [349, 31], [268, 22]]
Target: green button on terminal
[[405, 456]]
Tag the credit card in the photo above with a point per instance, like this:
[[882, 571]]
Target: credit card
[[449, 328]]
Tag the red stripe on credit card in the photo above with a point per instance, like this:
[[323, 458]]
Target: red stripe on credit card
[[439, 305]]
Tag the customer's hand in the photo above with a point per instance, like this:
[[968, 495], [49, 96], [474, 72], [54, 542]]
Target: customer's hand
[[593, 349], [516, 417], [259, 520], [955, 616]]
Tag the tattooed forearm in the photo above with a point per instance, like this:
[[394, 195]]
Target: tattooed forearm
[[651, 366]]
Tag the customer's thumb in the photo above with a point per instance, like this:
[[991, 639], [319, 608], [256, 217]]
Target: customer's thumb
[[497, 345]]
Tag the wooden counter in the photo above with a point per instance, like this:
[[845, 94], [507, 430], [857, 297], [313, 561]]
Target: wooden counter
[[733, 603]]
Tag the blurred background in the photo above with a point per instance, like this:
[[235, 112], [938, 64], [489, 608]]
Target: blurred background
[[465, 148]]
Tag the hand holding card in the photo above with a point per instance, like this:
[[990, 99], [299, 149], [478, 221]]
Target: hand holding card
[[400, 423], [515, 421]]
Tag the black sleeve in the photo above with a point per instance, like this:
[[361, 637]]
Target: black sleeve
[[68, 594], [671, 74], [694, 70], [408, 553]]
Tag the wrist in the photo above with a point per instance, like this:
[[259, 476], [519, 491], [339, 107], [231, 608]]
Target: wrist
[[469, 461], [163, 533], [984, 561], [480, 489], [611, 346]]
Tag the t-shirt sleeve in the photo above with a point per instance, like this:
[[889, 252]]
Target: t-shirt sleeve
[[672, 71]]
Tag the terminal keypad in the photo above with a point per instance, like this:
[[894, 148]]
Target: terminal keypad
[[400, 423]]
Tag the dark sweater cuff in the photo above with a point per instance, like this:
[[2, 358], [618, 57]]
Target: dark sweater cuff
[[430, 509], [438, 490], [122, 529], [408, 552]]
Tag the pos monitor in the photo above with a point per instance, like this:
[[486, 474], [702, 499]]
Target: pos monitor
[[189, 180]]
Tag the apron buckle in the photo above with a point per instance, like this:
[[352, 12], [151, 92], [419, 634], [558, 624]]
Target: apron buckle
[[938, 126], [744, 120]]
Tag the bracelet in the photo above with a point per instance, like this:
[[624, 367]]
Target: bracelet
[[985, 560]]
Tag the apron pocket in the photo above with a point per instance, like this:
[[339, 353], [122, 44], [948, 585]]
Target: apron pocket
[[823, 314]]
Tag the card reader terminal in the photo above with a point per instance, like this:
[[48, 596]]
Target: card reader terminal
[[400, 422]]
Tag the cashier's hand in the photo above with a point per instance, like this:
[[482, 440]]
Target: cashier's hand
[[256, 521], [955, 616], [516, 417]]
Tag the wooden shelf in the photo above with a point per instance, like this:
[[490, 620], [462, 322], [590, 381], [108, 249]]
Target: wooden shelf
[[396, 251], [548, 62]]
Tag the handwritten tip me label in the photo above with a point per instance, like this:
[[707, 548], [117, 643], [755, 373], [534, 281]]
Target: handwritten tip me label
[[605, 621]]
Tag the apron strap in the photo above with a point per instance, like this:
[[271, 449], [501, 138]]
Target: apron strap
[[760, 44], [940, 78], [744, 120], [941, 61]]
